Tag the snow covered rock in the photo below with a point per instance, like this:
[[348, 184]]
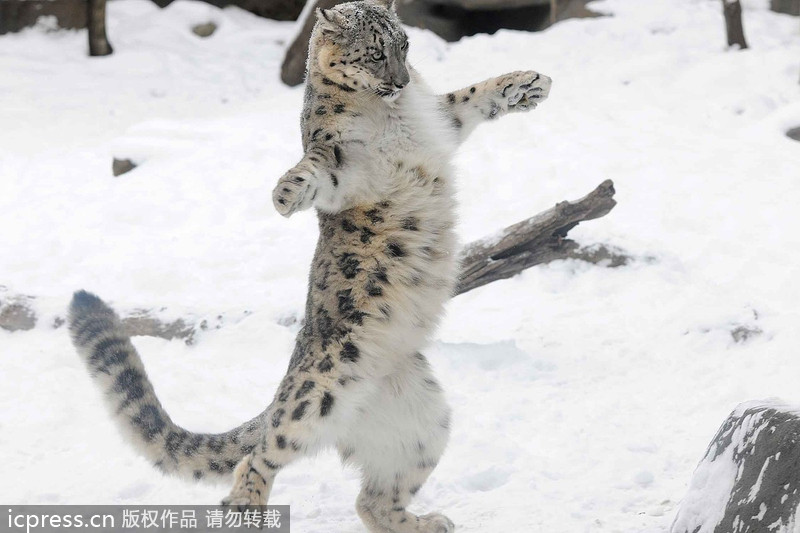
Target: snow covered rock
[[15, 315], [749, 478], [15, 311]]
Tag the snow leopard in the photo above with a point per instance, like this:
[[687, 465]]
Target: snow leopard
[[377, 167]]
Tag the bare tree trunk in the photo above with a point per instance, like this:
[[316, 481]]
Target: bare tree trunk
[[293, 69], [733, 23], [96, 21]]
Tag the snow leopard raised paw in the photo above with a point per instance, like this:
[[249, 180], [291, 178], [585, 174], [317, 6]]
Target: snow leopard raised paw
[[295, 191], [524, 90]]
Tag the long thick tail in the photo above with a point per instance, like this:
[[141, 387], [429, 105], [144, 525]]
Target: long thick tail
[[117, 368]]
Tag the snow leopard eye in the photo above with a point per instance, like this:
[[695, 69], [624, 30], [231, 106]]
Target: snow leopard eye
[[377, 56]]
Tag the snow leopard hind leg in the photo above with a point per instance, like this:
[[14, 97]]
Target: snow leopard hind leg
[[299, 423], [315, 402], [396, 441]]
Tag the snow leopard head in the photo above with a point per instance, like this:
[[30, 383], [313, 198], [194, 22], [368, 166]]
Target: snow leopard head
[[363, 46]]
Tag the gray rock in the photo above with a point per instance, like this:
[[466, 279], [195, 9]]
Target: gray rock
[[749, 479], [792, 7], [16, 313], [204, 30], [121, 166], [16, 316], [449, 19], [271, 9], [794, 133], [482, 5], [18, 14]]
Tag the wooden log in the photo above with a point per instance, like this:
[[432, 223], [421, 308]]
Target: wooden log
[[539, 239]]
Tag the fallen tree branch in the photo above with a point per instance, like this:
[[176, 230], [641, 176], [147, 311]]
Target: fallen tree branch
[[539, 239]]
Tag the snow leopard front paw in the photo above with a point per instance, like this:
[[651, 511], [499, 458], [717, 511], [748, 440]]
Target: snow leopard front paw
[[522, 91], [295, 191]]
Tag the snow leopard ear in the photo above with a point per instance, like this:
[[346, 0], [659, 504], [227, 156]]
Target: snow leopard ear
[[388, 4], [332, 22]]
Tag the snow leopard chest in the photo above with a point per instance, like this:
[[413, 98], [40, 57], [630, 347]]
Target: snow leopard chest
[[383, 271]]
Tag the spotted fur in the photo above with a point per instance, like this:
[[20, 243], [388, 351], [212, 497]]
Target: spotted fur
[[377, 149], [117, 368]]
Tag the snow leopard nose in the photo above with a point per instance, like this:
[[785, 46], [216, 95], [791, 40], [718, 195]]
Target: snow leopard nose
[[400, 78], [400, 81]]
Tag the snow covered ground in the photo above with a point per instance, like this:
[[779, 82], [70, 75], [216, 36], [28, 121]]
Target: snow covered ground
[[584, 396]]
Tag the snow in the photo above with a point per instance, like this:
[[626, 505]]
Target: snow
[[584, 396]]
